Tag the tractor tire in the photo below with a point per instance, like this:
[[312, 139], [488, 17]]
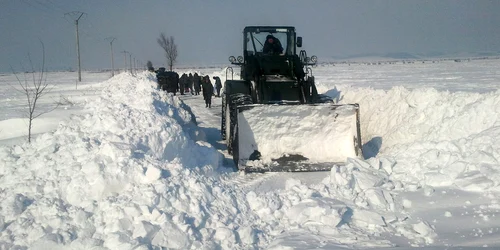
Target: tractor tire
[[231, 121]]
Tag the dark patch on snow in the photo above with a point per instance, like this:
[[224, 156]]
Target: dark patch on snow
[[372, 147]]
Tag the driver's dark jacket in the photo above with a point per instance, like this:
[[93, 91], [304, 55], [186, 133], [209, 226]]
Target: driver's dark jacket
[[274, 48]]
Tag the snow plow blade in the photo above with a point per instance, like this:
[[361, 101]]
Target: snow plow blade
[[291, 138]]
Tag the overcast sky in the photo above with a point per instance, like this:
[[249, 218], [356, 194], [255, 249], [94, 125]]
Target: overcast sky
[[209, 31]]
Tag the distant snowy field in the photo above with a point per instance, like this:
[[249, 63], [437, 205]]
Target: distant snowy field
[[120, 165], [64, 89]]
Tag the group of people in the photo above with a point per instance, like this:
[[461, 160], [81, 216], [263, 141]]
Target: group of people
[[171, 82]]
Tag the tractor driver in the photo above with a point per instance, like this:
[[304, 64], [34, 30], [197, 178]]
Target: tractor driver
[[272, 46]]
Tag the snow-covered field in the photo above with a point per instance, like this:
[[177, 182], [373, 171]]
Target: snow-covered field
[[65, 93], [120, 165]]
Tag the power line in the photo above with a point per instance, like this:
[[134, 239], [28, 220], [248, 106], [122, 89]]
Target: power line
[[54, 6], [42, 9], [37, 6], [47, 7]]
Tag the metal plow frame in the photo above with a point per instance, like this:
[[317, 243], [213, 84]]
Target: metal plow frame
[[291, 167], [294, 163]]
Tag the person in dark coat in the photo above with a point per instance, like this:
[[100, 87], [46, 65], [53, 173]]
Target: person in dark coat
[[196, 84], [161, 78], [218, 85], [182, 83], [190, 83], [208, 90], [272, 46], [172, 82]]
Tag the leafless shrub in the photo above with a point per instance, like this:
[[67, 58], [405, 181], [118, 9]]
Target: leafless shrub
[[34, 86], [170, 48]]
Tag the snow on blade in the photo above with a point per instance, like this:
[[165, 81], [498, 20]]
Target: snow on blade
[[320, 133]]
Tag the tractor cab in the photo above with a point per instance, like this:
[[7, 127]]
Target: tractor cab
[[271, 70], [260, 61], [255, 39]]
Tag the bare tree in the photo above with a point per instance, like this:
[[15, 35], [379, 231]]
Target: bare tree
[[170, 48], [34, 89]]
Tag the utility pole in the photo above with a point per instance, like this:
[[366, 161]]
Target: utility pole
[[130, 55], [125, 55], [79, 14], [112, 57], [135, 66]]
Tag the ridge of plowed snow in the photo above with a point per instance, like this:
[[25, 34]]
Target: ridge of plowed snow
[[103, 177], [438, 138], [135, 173]]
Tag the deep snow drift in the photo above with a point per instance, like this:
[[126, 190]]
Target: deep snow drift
[[136, 172], [105, 173], [434, 138]]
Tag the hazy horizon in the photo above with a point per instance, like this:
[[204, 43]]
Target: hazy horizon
[[208, 32]]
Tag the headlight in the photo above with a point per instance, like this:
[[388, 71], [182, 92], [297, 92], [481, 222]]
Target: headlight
[[232, 59], [240, 59], [314, 59]]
